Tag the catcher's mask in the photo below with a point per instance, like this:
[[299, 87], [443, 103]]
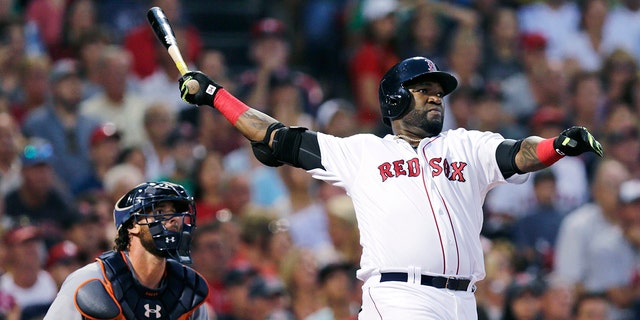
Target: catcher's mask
[[395, 99], [142, 204]]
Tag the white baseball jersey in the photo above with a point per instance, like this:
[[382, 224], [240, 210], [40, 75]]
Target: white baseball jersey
[[417, 208]]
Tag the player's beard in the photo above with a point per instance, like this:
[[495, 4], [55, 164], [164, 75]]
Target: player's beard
[[146, 239], [430, 123]]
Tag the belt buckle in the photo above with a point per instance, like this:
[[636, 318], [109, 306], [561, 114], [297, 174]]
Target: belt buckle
[[446, 284]]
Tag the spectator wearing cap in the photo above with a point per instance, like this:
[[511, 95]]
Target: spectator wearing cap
[[31, 285], [336, 285], [39, 198], [523, 298], [614, 264], [268, 299], [371, 59], [105, 147], [60, 122], [337, 117], [89, 233], [270, 51], [236, 282], [142, 43], [62, 259]]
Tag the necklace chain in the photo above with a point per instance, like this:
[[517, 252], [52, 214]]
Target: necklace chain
[[408, 139]]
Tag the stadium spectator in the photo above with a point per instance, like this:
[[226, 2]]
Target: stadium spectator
[[372, 58], [117, 102], [61, 123], [33, 287]]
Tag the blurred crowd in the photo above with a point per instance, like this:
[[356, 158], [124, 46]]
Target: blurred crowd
[[90, 107]]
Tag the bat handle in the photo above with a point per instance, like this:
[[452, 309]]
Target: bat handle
[[192, 85]]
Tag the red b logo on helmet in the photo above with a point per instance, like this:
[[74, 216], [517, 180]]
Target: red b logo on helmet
[[432, 66]]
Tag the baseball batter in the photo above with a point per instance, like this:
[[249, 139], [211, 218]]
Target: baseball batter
[[418, 193]]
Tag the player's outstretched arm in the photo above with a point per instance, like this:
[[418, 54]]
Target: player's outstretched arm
[[253, 124], [537, 153]]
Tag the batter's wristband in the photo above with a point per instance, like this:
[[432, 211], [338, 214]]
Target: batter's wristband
[[230, 107], [547, 153]]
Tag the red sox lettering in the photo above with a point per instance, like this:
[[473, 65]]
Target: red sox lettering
[[453, 170]]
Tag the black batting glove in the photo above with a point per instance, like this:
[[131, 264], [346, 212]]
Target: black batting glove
[[575, 141], [206, 93]]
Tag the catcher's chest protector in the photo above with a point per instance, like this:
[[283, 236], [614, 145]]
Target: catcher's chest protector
[[182, 291]]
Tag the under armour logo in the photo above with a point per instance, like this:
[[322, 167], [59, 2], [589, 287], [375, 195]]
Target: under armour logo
[[149, 311], [170, 239]]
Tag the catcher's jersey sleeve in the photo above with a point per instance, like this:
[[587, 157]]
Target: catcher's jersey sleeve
[[63, 307], [419, 208]]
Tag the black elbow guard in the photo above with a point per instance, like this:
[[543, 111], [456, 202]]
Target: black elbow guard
[[506, 157], [261, 149], [298, 147]]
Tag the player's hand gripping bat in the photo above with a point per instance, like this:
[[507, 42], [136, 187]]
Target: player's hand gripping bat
[[161, 27]]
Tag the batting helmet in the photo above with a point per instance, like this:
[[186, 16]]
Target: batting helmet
[[140, 204], [395, 99]]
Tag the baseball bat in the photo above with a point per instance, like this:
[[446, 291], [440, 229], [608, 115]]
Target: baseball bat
[[163, 30]]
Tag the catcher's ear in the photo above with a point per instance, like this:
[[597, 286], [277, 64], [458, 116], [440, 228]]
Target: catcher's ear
[[134, 229]]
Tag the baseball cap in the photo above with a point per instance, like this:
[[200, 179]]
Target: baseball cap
[[268, 27], [333, 267], [63, 252], [63, 69], [104, 132], [525, 283], [533, 41], [37, 151], [328, 109], [629, 191], [238, 276], [376, 9], [262, 287], [21, 234]]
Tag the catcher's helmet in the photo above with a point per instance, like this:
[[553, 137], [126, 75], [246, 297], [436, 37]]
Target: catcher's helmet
[[140, 203], [395, 99]]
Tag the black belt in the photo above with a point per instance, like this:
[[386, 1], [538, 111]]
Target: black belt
[[450, 283]]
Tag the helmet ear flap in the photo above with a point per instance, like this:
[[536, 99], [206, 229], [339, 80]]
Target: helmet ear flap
[[398, 102]]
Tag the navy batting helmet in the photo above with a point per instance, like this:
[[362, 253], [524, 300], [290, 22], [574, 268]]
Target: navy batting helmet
[[140, 204], [395, 99]]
